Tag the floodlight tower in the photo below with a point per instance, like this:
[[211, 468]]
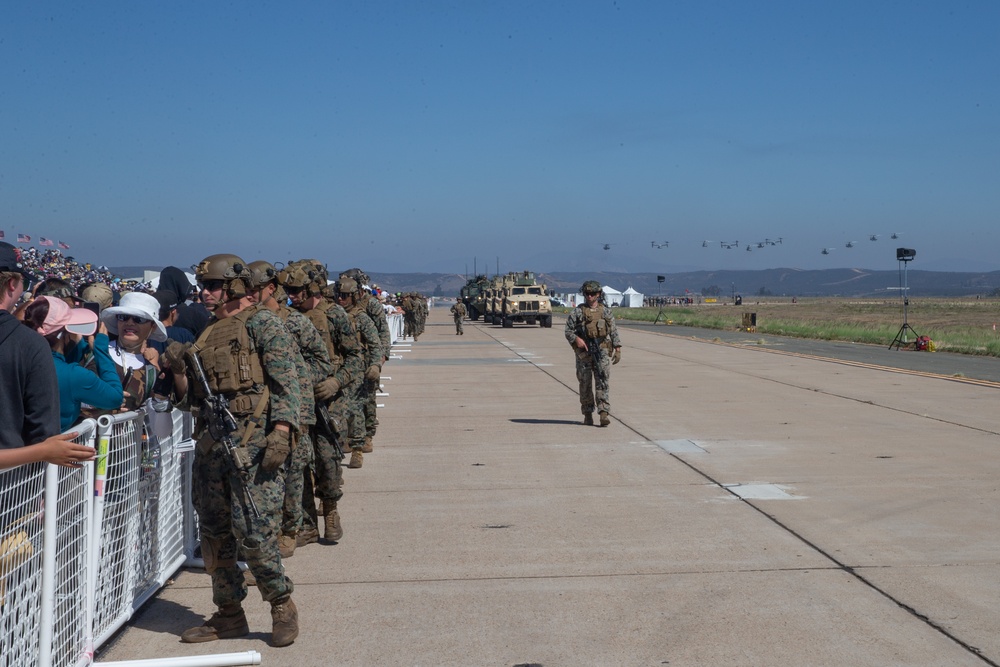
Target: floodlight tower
[[904, 256]]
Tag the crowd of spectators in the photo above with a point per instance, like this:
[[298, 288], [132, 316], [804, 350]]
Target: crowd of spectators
[[77, 341], [53, 264]]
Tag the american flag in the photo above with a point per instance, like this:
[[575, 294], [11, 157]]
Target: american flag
[[23, 238], [64, 246], [48, 243]]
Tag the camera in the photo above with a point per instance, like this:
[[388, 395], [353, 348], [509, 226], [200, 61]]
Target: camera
[[905, 254]]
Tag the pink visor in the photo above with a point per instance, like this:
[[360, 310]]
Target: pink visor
[[74, 320]]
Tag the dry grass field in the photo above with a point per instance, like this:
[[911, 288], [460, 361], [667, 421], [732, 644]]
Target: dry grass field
[[966, 325]]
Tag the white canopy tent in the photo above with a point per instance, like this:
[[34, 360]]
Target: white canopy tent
[[632, 298], [612, 297]]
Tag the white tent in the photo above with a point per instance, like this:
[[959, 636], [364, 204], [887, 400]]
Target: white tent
[[612, 297], [632, 298]]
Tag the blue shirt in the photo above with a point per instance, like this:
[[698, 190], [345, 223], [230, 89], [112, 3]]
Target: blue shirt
[[77, 384]]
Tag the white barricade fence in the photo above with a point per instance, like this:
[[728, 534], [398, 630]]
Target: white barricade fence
[[395, 322], [82, 548]]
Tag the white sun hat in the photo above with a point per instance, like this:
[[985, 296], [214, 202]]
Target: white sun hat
[[137, 304]]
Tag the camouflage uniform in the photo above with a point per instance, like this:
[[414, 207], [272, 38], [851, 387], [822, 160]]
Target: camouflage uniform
[[409, 306], [377, 313], [346, 354], [593, 377], [369, 341], [458, 312], [316, 367], [225, 520]]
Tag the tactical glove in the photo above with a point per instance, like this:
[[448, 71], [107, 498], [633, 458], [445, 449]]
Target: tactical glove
[[326, 389], [174, 357], [617, 356], [373, 373], [279, 444]]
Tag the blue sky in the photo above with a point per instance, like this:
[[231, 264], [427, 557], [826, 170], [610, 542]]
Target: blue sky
[[443, 136]]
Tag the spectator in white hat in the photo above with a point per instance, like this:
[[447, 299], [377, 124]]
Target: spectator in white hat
[[133, 322]]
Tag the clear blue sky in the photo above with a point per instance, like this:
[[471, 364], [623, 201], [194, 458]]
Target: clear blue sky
[[426, 136]]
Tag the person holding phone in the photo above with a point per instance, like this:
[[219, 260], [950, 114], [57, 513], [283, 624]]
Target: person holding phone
[[64, 329]]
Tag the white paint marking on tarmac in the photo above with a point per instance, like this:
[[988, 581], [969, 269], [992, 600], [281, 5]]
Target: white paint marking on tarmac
[[761, 491], [680, 447]]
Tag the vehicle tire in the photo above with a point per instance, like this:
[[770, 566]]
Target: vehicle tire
[[545, 322], [508, 323]]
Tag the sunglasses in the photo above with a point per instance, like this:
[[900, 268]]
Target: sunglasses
[[211, 285], [293, 290], [591, 293], [344, 295], [131, 318]]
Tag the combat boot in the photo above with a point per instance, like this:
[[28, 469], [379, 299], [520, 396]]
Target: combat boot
[[286, 545], [332, 530], [588, 419], [604, 419], [284, 622], [357, 459], [369, 446], [229, 622], [306, 536]]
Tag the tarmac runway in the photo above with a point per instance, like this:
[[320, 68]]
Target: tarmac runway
[[748, 505]]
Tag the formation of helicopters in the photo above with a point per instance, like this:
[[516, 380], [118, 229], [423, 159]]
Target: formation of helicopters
[[729, 245]]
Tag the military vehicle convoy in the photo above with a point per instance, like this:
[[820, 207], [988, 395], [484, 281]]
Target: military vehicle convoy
[[526, 301], [472, 295], [504, 300]]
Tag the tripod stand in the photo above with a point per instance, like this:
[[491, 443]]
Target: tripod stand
[[659, 298], [900, 338]]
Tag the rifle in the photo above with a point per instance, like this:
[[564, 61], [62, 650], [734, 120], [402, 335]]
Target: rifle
[[594, 348], [221, 426], [324, 423]]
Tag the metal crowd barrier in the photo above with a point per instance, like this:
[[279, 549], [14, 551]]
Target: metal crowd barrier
[[81, 549]]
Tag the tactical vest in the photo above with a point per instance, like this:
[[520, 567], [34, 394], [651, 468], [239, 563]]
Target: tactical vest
[[232, 365], [595, 324], [318, 317]]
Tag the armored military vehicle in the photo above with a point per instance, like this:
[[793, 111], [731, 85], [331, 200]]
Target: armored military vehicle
[[526, 301], [472, 295]]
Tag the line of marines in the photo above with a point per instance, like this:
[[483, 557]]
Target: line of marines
[[298, 360]]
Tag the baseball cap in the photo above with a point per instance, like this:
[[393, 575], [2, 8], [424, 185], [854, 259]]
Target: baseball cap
[[61, 316], [10, 261]]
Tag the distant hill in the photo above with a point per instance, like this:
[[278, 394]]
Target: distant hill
[[777, 282]]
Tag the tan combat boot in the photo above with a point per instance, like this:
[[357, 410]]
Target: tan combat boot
[[284, 622], [306, 536], [332, 530], [604, 419], [286, 545], [357, 459], [588, 419], [229, 622], [369, 445]]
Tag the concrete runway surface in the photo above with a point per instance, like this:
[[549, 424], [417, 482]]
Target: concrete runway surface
[[743, 508]]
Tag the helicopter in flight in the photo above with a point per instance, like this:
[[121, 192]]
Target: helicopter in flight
[[660, 244], [873, 237], [827, 251], [773, 242], [896, 235], [607, 246], [704, 244], [850, 244], [729, 246]]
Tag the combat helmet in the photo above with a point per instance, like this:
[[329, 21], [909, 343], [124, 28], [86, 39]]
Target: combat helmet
[[304, 273], [231, 270], [591, 286], [262, 273]]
